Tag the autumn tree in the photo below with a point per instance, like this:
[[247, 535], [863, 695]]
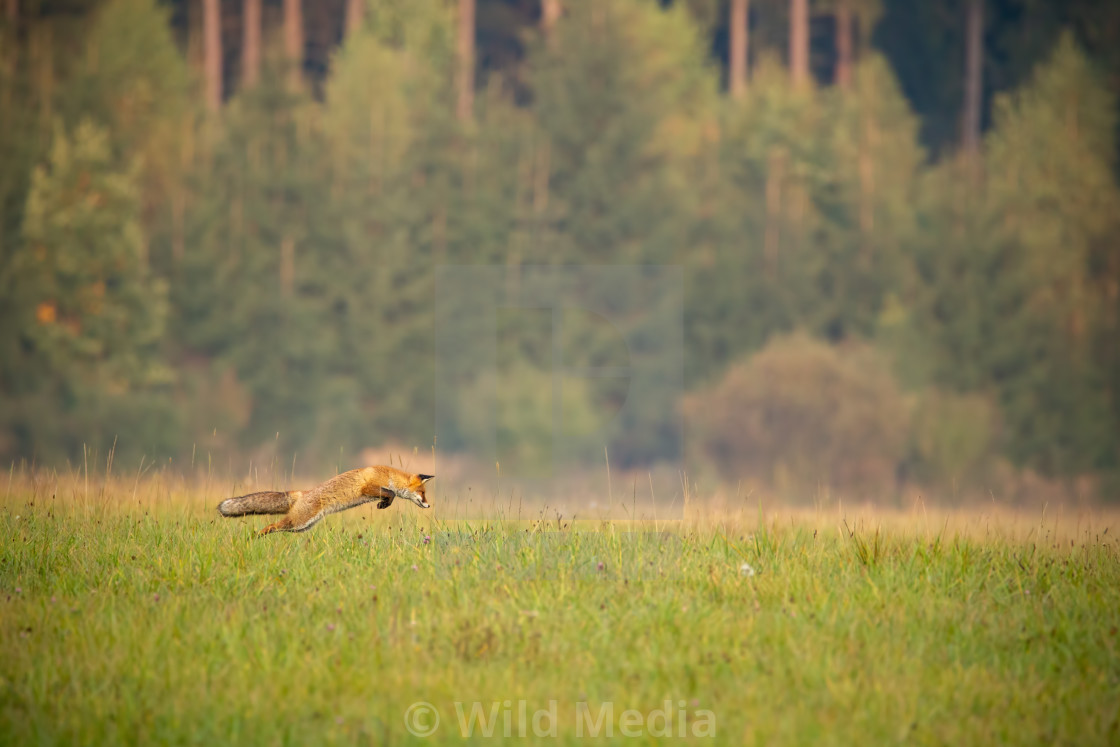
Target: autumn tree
[[250, 42], [83, 314]]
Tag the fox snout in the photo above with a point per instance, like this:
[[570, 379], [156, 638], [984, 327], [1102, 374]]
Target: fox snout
[[416, 498]]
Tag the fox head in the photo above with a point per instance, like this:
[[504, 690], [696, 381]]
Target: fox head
[[414, 491]]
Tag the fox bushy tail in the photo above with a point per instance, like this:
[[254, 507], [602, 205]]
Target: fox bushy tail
[[268, 502]]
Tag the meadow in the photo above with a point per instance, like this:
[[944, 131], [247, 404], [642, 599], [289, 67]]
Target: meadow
[[131, 613]]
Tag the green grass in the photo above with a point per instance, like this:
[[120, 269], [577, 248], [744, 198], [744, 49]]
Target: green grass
[[151, 620]]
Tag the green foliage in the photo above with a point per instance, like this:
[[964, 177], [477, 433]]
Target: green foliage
[[84, 315], [413, 189], [299, 231], [528, 428], [268, 289], [614, 144], [1009, 312], [954, 438], [132, 79], [423, 28], [809, 219], [80, 204], [866, 196], [80, 281], [1050, 159], [805, 415]]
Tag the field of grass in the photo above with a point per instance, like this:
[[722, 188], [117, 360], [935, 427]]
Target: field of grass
[[131, 613]]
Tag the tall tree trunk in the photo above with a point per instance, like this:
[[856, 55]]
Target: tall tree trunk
[[973, 78], [40, 54], [293, 41], [740, 39], [869, 142], [844, 43], [179, 196], [542, 175], [355, 9], [212, 53], [287, 265], [251, 43], [194, 38], [465, 75], [550, 13], [439, 233], [775, 176], [178, 224], [799, 42]]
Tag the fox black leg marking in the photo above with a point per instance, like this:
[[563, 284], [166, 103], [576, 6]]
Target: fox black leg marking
[[387, 497]]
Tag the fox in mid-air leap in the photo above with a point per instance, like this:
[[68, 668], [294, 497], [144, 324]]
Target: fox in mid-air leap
[[304, 508]]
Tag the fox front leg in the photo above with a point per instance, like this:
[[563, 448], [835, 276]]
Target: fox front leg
[[387, 497]]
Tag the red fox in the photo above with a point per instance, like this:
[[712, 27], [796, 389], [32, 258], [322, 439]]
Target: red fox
[[304, 508]]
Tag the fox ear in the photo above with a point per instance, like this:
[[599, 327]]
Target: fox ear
[[425, 478]]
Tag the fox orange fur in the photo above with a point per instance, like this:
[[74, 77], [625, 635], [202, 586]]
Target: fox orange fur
[[304, 508]]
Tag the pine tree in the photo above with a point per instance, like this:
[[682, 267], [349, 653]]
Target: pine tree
[[1050, 166], [84, 315], [415, 189], [866, 200], [627, 125], [260, 287], [1012, 300], [616, 145], [762, 260], [133, 82]]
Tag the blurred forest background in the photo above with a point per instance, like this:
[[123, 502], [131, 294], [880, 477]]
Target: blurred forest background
[[899, 224]]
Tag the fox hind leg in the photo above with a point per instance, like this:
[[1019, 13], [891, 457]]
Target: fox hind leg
[[283, 525], [287, 525], [304, 514]]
